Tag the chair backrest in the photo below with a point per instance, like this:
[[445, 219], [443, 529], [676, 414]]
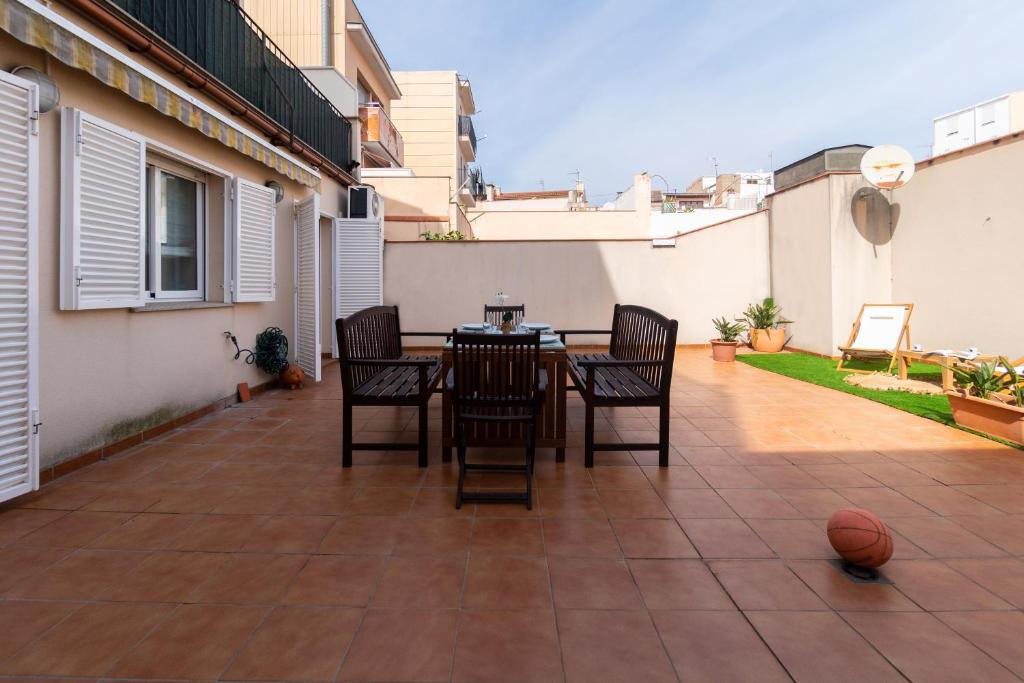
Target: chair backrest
[[880, 327], [639, 333], [494, 314], [370, 334], [494, 370]]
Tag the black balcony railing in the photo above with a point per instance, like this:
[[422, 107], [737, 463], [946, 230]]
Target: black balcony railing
[[476, 182], [222, 40], [466, 128]]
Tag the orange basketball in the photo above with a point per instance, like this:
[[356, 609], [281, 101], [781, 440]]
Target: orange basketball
[[860, 537]]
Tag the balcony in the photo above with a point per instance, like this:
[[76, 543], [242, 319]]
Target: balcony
[[222, 40], [471, 185], [381, 140], [467, 138]]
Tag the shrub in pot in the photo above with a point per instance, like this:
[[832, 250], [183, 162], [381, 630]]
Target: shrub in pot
[[723, 349], [765, 321], [989, 399]]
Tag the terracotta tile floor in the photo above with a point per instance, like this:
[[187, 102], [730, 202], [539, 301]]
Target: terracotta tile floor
[[238, 549]]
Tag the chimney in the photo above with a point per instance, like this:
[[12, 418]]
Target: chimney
[[490, 192]]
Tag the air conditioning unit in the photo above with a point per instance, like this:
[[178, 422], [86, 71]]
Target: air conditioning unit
[[364, 202]]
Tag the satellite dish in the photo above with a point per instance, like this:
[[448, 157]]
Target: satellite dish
[[887, 167]]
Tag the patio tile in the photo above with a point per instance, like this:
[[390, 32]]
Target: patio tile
[[839, 476], [323, 500], [884, 502], [192, 499], [678, 477], [819, 646], [219, 533], [612, 477], [246, 579], [946, 501], [196, 642], [996, 633], [494, 582], [134, 499], [716, 646], [67, 496], [653, 538], [507, 537], [925, 649], [571, 502], [633, 503], [289, 534], [784, 476], [440, 502], [362, 536], [435, 536], [1002, 576], [17, 522], [147, 531], [164, 577], [936, 587], [592, 583], [421, 582], [724, 538], [382, 501], [19, 563], [612, 646], [729, 476], [840, 593], [764, 585], [696, 503], [89, 642], [1004, 531], [942, 537], [679, 584], [816, 503], [508, 646], [84, 575], [895, 474], [336, 580], [297, 644], [75, 529], [580, 538], [759, 503], [402, 645], [1006, 498], [793, 538], [23, 622]]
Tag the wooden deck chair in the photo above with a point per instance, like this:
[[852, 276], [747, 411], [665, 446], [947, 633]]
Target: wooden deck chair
[[878, 333]]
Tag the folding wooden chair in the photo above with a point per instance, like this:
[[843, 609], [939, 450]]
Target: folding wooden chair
[[878, 333]]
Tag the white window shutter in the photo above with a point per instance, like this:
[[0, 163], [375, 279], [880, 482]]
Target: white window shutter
[[19, 365], [103, 214], [255, 212], [358, 281], [307, 286]]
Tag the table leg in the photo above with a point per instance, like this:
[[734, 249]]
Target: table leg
[[947, 377]]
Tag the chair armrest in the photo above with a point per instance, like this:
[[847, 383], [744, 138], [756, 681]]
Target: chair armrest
[[616, 363], [394, 362]]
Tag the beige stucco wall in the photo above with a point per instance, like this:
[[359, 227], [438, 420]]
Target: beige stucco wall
[[425, 115], [957, 250], [106, 374], [710, 273], [550, 225]]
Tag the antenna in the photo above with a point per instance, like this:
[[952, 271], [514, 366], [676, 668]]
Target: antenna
[[541, 181], [577, 174], [714, 162]]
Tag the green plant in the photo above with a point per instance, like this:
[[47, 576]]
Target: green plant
[[450, 236], [728, 331], [506, 317], [763, 316], [985, 379]]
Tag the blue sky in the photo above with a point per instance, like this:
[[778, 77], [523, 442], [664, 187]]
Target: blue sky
[[620, 86]]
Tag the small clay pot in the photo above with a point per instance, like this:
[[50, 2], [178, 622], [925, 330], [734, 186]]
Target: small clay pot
[[293, 377], [506, 327], [723, 351]]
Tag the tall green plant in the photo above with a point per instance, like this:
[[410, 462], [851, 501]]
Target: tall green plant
[[763, 316], [728, 331], [985, 379]]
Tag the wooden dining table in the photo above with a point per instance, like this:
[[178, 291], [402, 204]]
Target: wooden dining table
[[551, 425]]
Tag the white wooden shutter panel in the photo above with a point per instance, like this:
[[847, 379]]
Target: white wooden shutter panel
[[19, 201], [358, 265], [307, 286], [103, 214], [255, 212]]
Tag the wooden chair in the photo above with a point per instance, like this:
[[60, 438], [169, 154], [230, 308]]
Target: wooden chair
[[494, 314], [375, 372], [635, 372], [877, 334], [495, 379]]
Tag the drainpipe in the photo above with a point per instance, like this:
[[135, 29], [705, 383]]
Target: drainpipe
[[139, 42]]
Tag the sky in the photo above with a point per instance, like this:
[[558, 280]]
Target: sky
[[615, 87]]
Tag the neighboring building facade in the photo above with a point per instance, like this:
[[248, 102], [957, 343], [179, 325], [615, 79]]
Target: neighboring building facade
[[142, 220], [735, 190], [978, 123], [844, 158]]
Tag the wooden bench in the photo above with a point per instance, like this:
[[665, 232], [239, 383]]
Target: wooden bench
[[635, 372], [375, 372]]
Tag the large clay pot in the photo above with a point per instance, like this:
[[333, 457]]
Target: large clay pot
[[991, 417], [723, 351], [769, 340]]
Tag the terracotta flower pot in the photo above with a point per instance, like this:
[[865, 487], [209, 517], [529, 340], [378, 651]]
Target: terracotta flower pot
[[991, 417], [723, 351], [293, 377], [769, 340]]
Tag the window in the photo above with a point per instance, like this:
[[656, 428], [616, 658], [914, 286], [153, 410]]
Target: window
[[176, 231], [987, 114], [952, 125]]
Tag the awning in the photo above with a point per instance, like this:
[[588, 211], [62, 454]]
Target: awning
[[33, 28]]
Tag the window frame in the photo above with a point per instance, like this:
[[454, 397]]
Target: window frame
[[155, 167]]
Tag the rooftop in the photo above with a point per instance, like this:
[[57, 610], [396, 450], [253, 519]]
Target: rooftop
[[237, 549]]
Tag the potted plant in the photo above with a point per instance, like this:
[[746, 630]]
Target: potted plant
[[989, 399], [764, 320], [723, 349], [506, 322]]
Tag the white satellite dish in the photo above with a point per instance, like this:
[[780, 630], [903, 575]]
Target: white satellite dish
[[887, 167]]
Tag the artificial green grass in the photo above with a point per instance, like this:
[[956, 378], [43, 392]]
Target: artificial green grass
[[822, 371]]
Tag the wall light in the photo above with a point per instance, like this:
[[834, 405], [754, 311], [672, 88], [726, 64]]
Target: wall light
[[49, 93], [277, 188]]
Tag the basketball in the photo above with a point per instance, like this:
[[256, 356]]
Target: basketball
[[860, 537]]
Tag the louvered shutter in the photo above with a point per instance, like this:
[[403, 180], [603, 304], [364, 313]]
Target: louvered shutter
[[103, 214], [358, 266], [255, 212], [19, 367], [307, 286]]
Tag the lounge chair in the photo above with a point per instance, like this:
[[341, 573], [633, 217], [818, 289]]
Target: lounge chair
[[878, 333]]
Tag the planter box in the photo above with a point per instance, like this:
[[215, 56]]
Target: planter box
[[991, 417]]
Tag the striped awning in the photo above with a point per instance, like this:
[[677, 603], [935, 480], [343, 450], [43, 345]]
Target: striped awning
[[34, 29]]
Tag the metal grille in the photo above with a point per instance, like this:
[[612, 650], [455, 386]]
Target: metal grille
[[221, 39]]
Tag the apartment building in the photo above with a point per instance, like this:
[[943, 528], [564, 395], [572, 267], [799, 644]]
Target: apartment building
[[980, 122]]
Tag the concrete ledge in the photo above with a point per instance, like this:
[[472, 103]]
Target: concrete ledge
[[179, 306]]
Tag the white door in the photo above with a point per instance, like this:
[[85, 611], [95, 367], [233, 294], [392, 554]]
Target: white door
[[19, 366], [358, 265], [307, 286]]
